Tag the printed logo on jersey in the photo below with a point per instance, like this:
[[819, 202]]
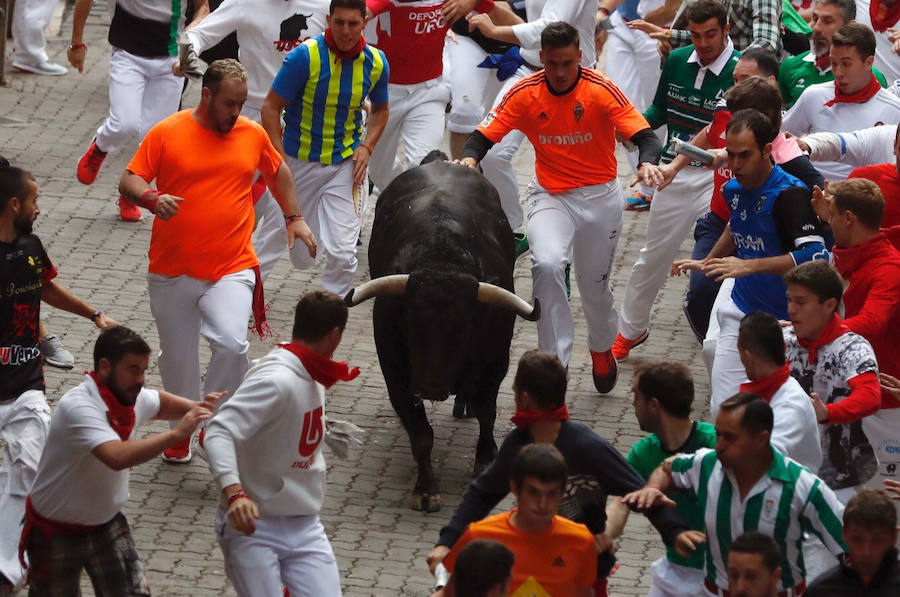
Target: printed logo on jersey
[[574, 138], [490, 118], [749, 242], [543, 116], [16, 354], [428, 20], [760, 204], [291, 34], [558, 562], [530, 588], [312, 432], [578, 111]]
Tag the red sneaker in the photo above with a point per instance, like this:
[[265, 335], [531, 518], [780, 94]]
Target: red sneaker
[[128, 211], [180, 453], [622, 346], [605, 371], [89, 164]]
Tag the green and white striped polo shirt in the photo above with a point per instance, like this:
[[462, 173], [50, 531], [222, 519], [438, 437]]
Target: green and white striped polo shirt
[[788, 500]]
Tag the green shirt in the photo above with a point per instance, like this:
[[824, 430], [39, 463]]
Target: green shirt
[[796, 73], [680, 103], [647, 454]]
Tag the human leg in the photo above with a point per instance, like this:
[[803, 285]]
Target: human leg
[[309, 197], [113, 564], [24, 424], [383, 166], [173, 303], [423, 128], [702, 290], [340, 220], [127, 81], [29, 20], [270, 238], [309, 567], [551, 228], [728, 371], [226, 306], [162, 93], [251, 561]]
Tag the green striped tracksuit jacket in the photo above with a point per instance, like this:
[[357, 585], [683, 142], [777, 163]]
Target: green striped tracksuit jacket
[[784, 503], [684, 108]]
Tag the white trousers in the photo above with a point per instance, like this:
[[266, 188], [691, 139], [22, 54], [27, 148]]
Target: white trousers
[[673, 213], [186, 308], [417, 118], [712, 330], [24, 425], [497, 163], [674, 580], [29, 20], [728, 372], [585, 223], [333, 207], [632, 62], [289, 551], [270, 236], [472, 89], [142, 91]]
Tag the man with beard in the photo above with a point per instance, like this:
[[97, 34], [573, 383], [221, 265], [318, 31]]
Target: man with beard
[[73, 516], [796, 73], [26, 278], [204, 277]]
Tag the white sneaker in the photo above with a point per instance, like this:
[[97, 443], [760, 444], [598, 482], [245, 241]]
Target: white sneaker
[[46, 67], [55, 354]]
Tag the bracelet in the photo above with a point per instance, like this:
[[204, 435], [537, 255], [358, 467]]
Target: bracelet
[[78, 46], [236, 496], [656, 487], [367, 147], [288, 220], [149, 199], [95, 315]]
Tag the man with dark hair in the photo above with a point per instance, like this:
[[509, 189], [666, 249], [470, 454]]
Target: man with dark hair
[[323, 140], [855, 100], [754, 566], [761, 347], [838, 369], [74, 517], [202, 281], [814, 66], [694, 79], [663, 396], [745, 484], [571, 115], [483, 569], [754, 23], [26, 278], [553, 555], [870, 566], [274, 537], [595, 468], [867, 260], [756, 61], [771, 229]]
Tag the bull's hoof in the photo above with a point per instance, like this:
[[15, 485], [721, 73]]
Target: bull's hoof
[[424, 502]]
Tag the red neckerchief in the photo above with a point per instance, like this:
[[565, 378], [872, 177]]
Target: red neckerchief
[[848, 259], [823, 62], [340, 54], [882, 20], [524, 418], [861, 96], [259, 307], [320, 368], [121, 417], [765, 387], [832, 331]]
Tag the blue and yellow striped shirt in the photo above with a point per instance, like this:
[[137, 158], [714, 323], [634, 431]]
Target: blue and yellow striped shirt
[[323, 119]]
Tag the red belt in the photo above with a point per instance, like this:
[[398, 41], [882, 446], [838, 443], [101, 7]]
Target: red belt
[[795, 591]]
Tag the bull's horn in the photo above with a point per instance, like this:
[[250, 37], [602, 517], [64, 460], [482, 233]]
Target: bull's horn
[[494, 295], [383, 286]]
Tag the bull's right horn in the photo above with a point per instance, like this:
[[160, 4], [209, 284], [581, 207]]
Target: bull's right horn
[[501, 297], [383, 286]]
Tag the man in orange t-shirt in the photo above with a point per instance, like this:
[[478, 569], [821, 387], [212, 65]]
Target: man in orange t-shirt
[[553, 555], [203, 273], [571, 115]]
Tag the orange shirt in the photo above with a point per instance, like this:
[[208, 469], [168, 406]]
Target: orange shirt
[[573, 134], [552, 563], [209, 237]]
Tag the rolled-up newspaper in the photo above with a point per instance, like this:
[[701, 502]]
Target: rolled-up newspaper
[[692, 151], [189, 61]]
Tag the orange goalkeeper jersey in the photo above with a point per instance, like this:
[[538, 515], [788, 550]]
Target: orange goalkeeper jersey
[[573, 134]]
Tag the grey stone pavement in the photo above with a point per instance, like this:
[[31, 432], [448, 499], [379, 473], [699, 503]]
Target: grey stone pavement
[[46, 124]]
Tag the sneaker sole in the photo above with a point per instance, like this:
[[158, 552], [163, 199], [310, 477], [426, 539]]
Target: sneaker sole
[[639, 207], [30, 71], [59, 365], [183, 460], [633, 346]]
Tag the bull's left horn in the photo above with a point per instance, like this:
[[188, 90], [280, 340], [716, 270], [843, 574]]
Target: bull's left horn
[[385, 285], [494, 295]]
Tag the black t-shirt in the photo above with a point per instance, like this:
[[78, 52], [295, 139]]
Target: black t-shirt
[[24, 270]]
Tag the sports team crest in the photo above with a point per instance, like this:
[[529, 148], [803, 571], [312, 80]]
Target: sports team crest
[[578, 111]]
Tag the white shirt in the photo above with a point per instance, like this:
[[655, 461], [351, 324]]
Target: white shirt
[[72, 485], [581, 14], [266, 31], [796, 432], [885, 59], [268, 436], [874, 145], [810, 115], [715, 66]]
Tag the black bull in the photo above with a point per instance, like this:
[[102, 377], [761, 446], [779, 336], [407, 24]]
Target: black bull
[[441, 258]]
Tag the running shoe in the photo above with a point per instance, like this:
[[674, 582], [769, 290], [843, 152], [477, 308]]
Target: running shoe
[[605, 370], [55, 354], [623, 346], [521, 241], [180, 453], [45, 67], [128, 211], [638, 202], [89, 164]]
